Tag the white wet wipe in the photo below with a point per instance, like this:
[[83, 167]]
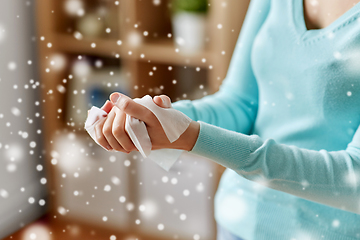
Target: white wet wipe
[[174, 124]]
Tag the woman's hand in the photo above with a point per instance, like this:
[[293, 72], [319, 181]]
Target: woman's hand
[[111, 134], [188, 139], [110, 131]]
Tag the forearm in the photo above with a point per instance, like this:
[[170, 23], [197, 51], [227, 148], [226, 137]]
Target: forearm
[[330, 178]]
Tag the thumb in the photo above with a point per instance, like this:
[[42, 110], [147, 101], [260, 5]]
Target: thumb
[[162, 101], [130, 107]]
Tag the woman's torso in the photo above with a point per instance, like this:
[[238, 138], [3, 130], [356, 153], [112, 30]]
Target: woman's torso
[[316, 77]]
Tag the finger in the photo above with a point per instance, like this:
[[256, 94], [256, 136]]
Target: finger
[[128, 106], [107, 106], [107, 132], [162, 101], [100, 138], [118, 131]]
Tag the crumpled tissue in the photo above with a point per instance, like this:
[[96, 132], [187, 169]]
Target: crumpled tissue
[[173, 122]]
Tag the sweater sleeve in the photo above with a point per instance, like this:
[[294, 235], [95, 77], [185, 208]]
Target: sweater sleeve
[[234, 106], [331, 178]]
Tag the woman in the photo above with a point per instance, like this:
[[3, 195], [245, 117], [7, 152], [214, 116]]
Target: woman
[[293, 83]]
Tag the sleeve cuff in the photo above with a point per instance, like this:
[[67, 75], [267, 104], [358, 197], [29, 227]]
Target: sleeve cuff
[[228, 148]]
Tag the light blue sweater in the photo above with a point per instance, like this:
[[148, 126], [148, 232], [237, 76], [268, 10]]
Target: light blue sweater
[[297, 92]]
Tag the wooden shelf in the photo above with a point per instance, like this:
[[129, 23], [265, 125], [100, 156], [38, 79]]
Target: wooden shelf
[[161, 51], [68, 43], [164, 51]]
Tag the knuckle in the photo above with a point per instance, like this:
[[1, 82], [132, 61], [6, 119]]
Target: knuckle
[[113, 111], [116, 110], [124, 104], [98, 132], [118, 131], [98, 127], [107, 130], [149, 115], [99, 138]]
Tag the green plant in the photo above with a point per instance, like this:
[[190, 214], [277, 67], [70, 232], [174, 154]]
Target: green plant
[[199, 6]]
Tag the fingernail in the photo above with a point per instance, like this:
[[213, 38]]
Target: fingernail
[[115, 98], [108, 147]]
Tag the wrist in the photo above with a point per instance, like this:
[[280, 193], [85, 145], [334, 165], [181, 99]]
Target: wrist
[[188, 139]]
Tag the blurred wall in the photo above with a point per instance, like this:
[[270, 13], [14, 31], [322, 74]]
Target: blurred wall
[[22, 195]]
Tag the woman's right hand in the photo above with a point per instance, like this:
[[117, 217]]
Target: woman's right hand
[[110, 132]]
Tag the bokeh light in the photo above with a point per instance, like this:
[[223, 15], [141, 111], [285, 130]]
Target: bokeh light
[[37, 232], [74, 7]]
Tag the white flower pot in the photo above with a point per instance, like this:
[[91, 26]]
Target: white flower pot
[[189, 31]]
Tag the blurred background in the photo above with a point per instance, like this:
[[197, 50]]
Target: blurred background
[[59, 58]]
